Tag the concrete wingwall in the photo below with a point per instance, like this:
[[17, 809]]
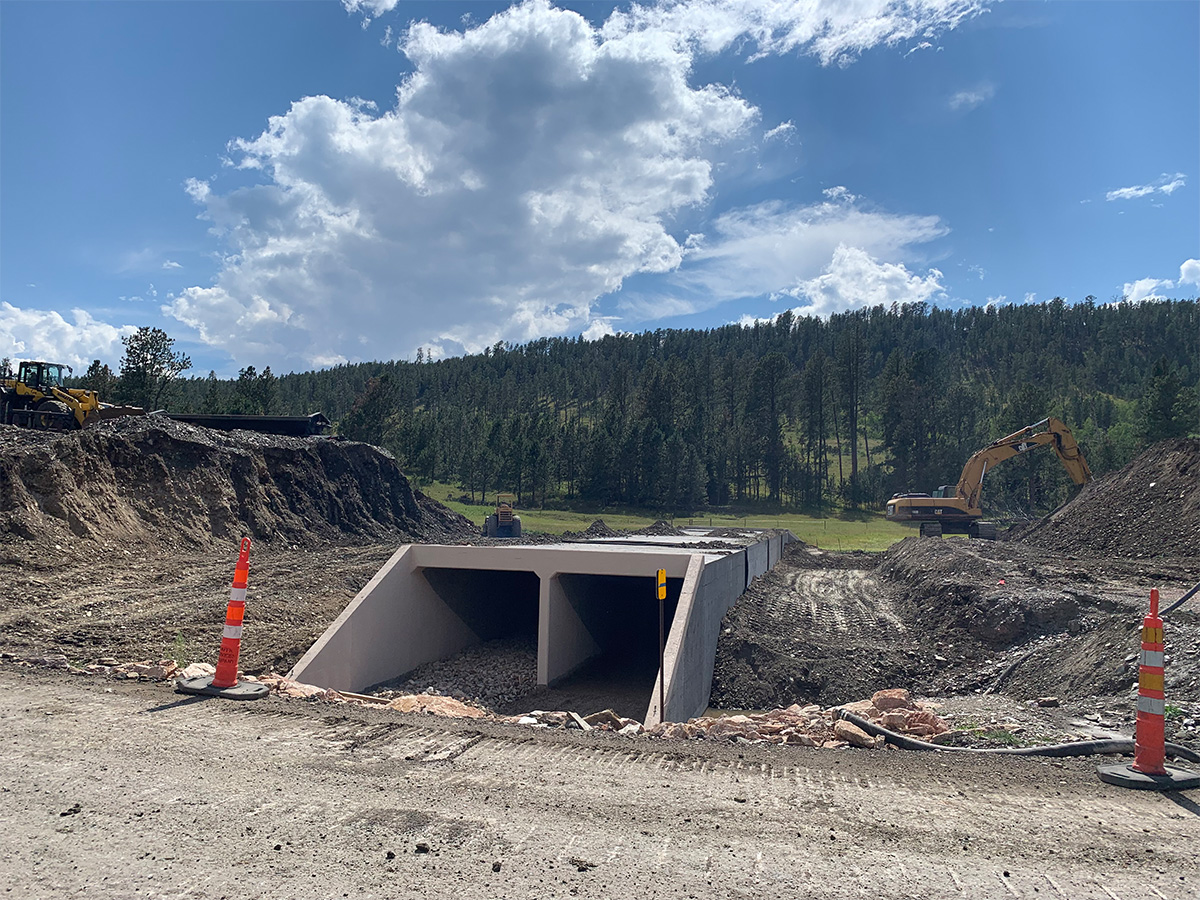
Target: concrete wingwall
[[373, 640], [710, 588]]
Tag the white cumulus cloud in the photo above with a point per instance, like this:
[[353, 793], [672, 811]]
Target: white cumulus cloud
[[1145, 289], [854, 279], [785, 252], [530, 165], [1189, 272], [1164, 184], [42, 334]]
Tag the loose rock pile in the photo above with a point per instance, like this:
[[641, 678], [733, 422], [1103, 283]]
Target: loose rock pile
[[491, 674], [812, 726], [805, 726]]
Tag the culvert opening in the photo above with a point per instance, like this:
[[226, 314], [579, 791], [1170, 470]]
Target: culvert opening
[[620, 613], [496, 605], [498, 660]]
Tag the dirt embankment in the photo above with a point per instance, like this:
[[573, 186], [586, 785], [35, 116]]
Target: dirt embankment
[[1149, 509], [151, 479], [945, 617]]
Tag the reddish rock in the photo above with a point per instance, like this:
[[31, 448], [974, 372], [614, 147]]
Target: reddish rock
[[896, 721], [892, 698], [853, 735]]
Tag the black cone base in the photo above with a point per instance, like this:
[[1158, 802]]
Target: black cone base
[[243, 690], [1127, 776]]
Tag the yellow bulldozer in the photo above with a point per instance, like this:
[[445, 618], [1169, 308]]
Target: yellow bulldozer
[[36, 397], [954, 508]]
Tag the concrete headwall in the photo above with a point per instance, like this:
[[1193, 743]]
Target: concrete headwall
[[431, 601]]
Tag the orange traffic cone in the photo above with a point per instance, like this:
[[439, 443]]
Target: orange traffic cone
[[1149, 770], [224, 683]]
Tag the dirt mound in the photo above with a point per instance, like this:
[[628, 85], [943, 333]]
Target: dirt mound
[[597, 529], [1150, 508], [810, 633], [661, 529], [154, 479]]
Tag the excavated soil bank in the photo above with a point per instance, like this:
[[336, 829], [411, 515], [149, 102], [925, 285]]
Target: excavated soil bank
[[950, 617], [151, 479], [1149, 509]]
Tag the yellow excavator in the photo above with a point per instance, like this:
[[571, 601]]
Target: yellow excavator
[[35, 397], [954, 509]]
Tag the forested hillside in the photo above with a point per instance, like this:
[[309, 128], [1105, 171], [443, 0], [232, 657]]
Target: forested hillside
[[800, 412]]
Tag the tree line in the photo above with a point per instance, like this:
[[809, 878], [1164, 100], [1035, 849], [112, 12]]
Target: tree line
[[794, 413]]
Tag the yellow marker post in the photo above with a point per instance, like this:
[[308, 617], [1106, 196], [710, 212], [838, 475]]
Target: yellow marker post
[[662, 643]]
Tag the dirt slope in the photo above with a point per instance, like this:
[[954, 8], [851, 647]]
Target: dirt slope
[[153, 479], [946, 617], [1149, 509]]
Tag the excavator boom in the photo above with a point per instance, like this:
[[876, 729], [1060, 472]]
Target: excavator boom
[[1048, 431]]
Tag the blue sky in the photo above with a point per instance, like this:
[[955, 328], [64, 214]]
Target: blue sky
[[301, 184]]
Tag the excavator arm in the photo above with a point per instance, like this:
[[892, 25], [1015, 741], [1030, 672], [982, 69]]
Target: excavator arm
[[1048, 431]]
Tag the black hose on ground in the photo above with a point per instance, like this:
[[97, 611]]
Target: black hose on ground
[[995, 685], [1076, 748], [1178, 603]]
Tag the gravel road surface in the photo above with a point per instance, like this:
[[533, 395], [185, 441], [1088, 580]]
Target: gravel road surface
[[129, 790]]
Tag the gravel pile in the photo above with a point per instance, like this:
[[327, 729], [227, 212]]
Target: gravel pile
[[491, 674], [661, 529]]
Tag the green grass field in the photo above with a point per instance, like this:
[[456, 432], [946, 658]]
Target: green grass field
[[853, 531]]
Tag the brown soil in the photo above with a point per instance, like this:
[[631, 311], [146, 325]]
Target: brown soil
[[153, 480], [134, 561], [661, 529], [135, 791], [1149, 509], [948, 617], [598, 529]]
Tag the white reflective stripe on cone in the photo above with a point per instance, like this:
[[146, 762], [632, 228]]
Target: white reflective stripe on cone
[[237, 595], [232, 631], [1153, 658], [1152, 705]]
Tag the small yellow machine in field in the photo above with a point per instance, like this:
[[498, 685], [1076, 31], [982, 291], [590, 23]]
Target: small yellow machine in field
[[504, 522]]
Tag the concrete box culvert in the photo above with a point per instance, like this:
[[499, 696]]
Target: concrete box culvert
[[591, 608]]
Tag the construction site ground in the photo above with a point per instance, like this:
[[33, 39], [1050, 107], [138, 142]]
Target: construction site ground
[[116, 787], [126, 789]]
